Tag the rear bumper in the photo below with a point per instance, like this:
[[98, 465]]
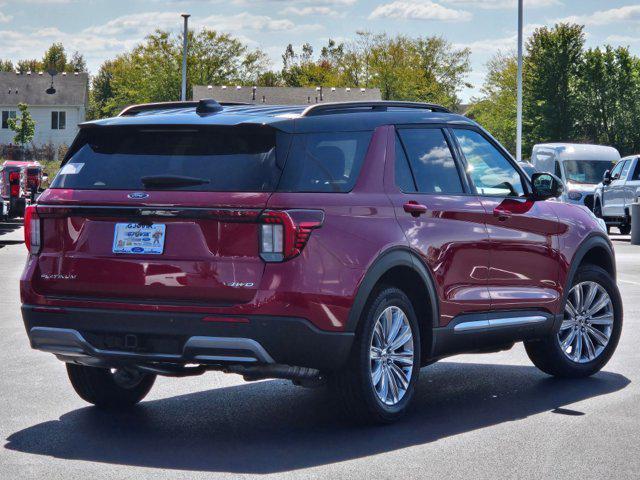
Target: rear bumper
[[115, 338]]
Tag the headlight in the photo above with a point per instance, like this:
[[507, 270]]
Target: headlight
[[574, 195]]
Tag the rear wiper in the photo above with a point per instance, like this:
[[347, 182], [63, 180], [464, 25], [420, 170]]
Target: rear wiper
[[163, 181]]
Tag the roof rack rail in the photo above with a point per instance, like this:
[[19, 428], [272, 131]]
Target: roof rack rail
[[147, 107], [374, 106]]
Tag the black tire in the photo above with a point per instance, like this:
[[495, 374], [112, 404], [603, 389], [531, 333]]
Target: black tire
[[547, 355], [597, 209], [353, 385], [109, 390], [625, 229]]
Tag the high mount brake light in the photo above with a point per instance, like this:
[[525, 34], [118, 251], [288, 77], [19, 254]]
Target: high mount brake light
[[32, 230], [285, 233]]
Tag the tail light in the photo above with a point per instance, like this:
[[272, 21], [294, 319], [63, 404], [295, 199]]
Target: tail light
[[32, 230], [14, 182], [284, 233]]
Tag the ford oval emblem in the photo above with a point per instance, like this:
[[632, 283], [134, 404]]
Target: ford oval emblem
[[138, 195], [137, 249]]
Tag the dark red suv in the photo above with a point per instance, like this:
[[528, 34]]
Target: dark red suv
[[348, 243]]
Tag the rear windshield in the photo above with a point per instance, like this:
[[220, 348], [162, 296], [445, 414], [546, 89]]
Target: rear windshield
[[217, 159], [223, 158]]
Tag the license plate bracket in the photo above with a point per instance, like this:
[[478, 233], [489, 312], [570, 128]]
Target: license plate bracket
[[139, 239]]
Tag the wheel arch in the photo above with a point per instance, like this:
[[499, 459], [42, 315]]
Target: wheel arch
[[401, 268], [595, 250]]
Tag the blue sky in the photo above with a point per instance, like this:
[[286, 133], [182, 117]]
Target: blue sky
[[101, 29]]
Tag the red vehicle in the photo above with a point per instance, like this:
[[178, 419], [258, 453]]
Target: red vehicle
[[350, 243], [12, 196]]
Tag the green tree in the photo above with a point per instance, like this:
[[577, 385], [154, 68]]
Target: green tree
[[495, 109], [77, 64], [403, 68], [6, 66], [55, 58], [24, 126], [32, 65], [608, 89], [552, 63], [152, 71]]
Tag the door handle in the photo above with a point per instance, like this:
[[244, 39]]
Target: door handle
[[414, 208]]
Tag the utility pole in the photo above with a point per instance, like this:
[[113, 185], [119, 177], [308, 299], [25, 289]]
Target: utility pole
[[519, 114], [185, 43]]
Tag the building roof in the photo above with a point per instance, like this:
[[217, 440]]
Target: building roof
[[286, 118], [284, 95], [71, 89]]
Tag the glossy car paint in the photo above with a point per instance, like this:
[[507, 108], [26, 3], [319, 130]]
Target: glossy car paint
[[478, 261], [523, 265], [450, 238]]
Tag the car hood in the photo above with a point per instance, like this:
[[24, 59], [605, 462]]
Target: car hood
[[581, 187]]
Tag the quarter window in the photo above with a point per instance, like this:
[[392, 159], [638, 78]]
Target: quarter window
[[324, 162], [490, 171], [58, 120], [432, 162], [6, 115], [404, 178]]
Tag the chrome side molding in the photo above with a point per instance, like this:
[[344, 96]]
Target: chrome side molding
[[497, 323]]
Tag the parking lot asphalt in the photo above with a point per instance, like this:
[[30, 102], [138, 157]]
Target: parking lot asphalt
[[475, 416]]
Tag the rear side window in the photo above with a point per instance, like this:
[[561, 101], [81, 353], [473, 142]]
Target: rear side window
[[625, 169], [324, 162], [434, 168], [636, 172], [216, 158]]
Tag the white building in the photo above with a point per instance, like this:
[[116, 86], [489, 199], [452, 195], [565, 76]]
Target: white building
[[284, 95], [57, 115]]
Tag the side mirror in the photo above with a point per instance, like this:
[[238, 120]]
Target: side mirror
[[546, 185], [606, 178]]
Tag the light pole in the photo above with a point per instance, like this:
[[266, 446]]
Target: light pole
[[519, 109], [185, 43]]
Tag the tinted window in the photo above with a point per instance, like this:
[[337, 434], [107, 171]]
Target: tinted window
[[558, 171], [324, 162], [404, 179], [490, 171], [636, 172], [224, 158], [431, 160]]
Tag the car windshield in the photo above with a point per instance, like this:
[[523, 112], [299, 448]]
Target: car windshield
[[586, 171]]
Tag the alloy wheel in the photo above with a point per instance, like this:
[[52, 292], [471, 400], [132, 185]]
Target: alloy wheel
[[391, 355], [588, 322]]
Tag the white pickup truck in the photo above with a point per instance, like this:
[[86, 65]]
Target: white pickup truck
[[619, 189]]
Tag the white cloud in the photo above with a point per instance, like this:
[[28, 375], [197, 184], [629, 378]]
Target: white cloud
[[306, 11], [502, 4], [629, 13], [622, 39], [4, 18], [419, 10]]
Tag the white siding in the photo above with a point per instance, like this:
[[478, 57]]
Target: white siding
[[44, 134]]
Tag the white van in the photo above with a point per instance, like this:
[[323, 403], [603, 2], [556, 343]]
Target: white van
[[580, 167]]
